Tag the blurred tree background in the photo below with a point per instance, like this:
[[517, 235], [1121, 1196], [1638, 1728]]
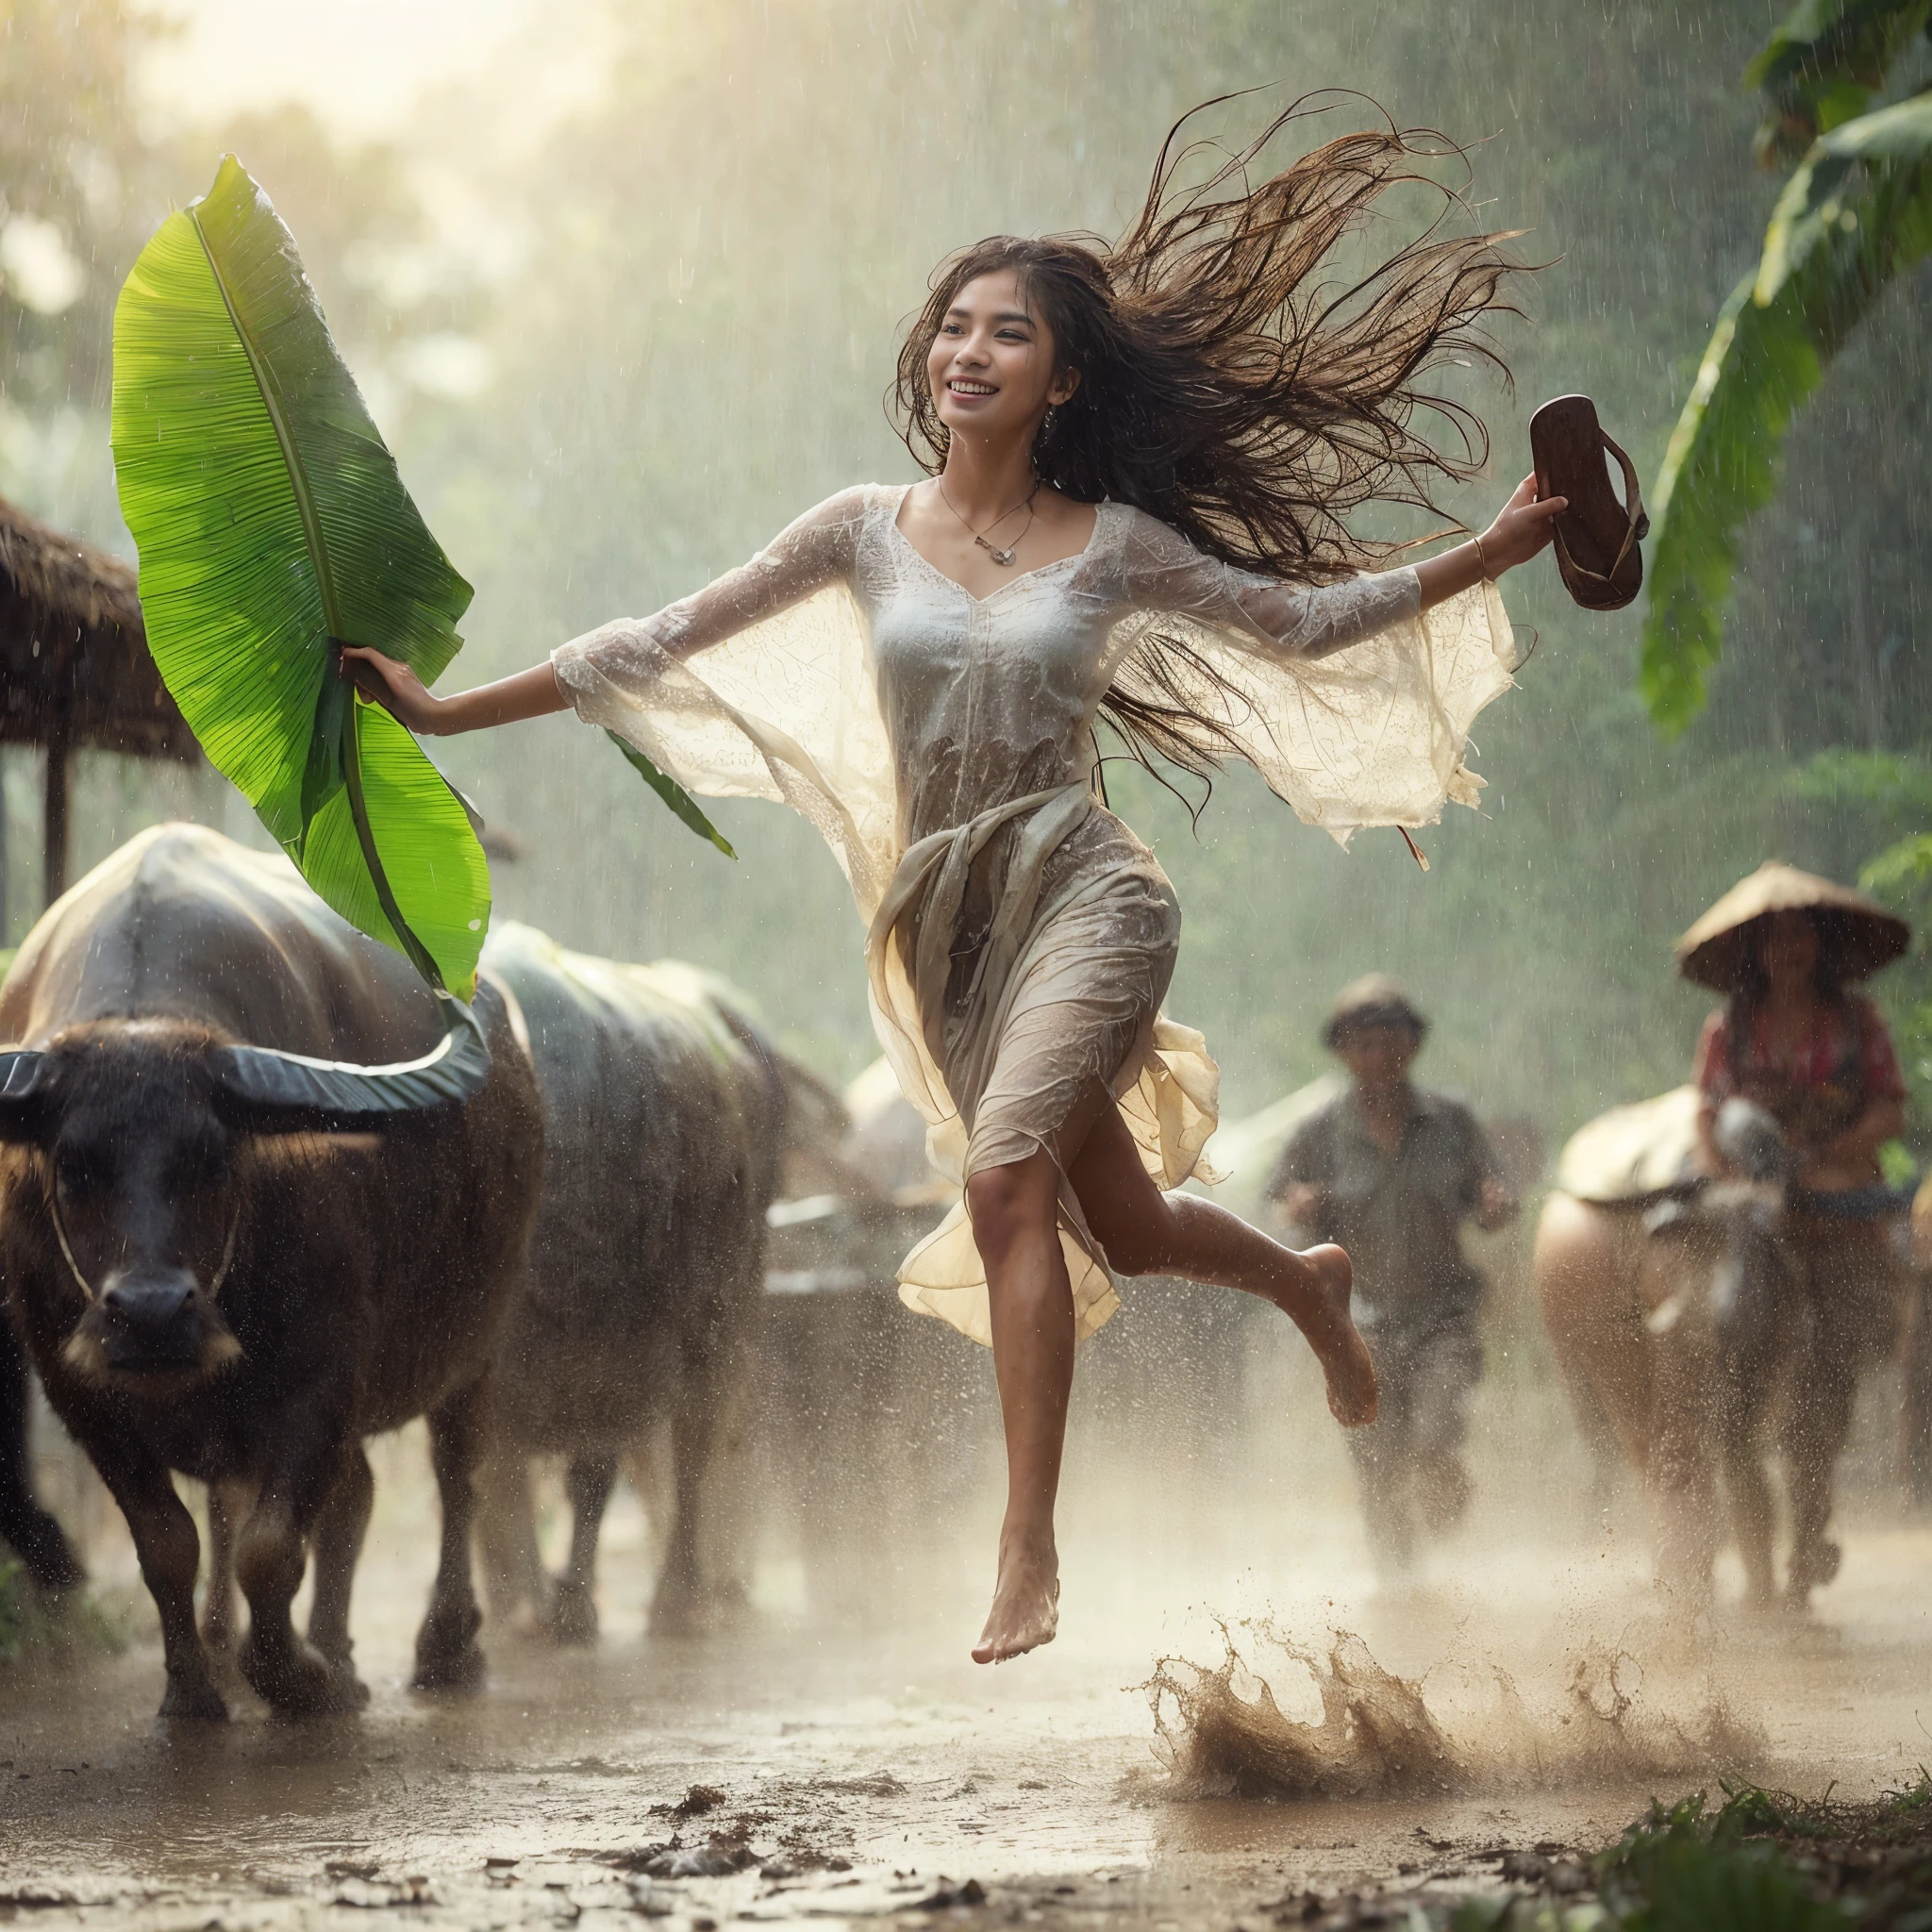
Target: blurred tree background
[[617, 344]]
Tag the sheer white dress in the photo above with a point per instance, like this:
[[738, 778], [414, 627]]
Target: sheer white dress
[[1020, 938]]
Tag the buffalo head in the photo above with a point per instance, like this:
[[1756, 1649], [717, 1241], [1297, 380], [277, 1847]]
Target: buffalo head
[[1727, 1271], [137, 1130]]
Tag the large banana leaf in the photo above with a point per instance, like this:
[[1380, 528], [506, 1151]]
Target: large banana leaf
[[272, 526], [1857, 211]]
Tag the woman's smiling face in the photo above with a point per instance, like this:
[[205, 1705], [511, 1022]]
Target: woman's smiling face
[[992, 364]]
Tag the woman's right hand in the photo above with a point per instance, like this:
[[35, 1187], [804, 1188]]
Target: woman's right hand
[[396, 687], [1521, 527]]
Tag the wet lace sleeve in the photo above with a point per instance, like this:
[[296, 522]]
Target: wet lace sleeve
[[1165, 572], [1350, 699], [761, 687], [817, 550]]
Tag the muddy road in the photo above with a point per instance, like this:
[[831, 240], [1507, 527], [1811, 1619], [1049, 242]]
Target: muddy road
[[857, 1766]]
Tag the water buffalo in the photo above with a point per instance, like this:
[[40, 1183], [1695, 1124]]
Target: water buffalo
[[36, 1538], [260, 1195], [665, 1117], [1689, 1327]]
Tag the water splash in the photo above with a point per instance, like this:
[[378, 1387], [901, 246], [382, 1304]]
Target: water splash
[[1604, 1716], [1374, 1735]]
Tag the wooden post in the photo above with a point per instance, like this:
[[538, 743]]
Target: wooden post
[[59, 771]]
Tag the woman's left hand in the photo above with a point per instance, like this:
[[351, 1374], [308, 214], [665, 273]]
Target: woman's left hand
[[1521, 527]]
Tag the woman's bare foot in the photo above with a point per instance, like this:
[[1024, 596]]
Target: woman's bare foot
[[1025, 1606], [1320, 1309]]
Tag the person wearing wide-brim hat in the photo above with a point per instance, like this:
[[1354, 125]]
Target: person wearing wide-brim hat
[[1786, 947], [1393, 1171], [1374, 1000]]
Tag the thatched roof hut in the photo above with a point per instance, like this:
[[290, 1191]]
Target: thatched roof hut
[[75, 669]]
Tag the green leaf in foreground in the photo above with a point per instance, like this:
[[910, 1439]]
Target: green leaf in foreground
[[674, 794], [272, 524]]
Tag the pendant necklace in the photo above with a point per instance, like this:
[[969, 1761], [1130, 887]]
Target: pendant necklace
[[1003, 557]]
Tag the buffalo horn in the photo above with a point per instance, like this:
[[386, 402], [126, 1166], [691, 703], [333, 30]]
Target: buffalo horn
[[20, 1077], [341, 1095]]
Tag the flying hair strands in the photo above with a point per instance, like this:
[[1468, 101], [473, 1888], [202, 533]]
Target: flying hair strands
[[1238, 385]]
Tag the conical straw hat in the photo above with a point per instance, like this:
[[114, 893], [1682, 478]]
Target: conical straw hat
[[1855, 935]]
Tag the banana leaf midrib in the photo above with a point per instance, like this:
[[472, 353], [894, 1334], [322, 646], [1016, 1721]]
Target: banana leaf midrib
[[348, 746], [418, 954], [292, 455]]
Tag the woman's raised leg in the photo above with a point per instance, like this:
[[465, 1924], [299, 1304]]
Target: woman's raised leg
[[1145, 1231], [1016, 1226]]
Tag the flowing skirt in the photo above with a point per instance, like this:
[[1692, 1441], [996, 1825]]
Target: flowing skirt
[[1064, 988]]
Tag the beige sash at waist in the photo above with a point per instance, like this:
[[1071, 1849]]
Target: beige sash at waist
[[935, 871]]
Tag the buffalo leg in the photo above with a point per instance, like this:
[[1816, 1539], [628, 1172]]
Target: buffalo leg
[[1684, 1518], [1852, 1292], [587, 1482], [337, 1544], [447, 1656], [507, 1534], [271, 1554], [1679, 1471], [677, 1606], [1747, 1489], [229, 1504], [169, 1548], [1815, 1436], [37, 1541]]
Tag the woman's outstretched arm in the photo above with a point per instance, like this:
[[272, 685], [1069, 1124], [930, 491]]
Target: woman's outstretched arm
[[1313, 620], [812, 552], [532, 693]]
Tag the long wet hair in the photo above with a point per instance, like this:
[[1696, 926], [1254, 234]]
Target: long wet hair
[[1232, 389]]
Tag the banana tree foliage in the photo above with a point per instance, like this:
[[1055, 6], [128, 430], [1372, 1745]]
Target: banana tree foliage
[[1891, 793], [1823, 66], [1855, 213]]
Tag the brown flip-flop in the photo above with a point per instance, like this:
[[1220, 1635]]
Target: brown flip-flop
[[1596, 537]]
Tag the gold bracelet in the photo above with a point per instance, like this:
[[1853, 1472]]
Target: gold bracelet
[[1482, 562]]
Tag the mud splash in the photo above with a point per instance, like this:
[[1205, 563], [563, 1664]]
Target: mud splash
[[1374, 1735], [1222, 1732]]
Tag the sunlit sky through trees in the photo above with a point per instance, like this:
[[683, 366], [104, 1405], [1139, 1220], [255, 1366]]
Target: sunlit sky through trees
[[358, 63]]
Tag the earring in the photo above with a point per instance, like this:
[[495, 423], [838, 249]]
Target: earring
[[1046, 422]]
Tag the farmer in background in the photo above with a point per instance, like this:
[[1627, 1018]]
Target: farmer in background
[[1392, 1172], [1787, 949]]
